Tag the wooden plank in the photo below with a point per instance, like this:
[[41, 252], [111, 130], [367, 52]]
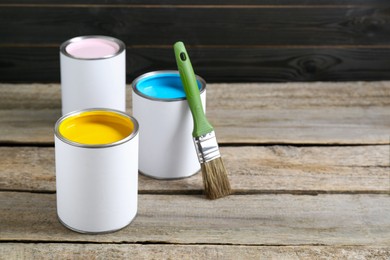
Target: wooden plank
[[30, 96], [223, 63], [300, 126], [230, 25], [294, 113], [238, 220], [136, 251], [273, 169], [28, 126], [326, 115], [222, 96]]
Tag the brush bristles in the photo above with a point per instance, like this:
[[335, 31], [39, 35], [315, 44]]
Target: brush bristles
[[215, 180]]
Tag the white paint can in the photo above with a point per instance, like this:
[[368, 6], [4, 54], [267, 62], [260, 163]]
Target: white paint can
[[96, 160], [93, 73], [166, 147]]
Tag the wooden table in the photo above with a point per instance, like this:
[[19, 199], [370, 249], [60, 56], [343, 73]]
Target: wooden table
[[308, 162]]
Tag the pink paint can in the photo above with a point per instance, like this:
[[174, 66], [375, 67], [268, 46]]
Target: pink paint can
[[93, 73]]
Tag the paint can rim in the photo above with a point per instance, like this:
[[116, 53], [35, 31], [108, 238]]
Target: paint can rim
[[162, 72], [131, 136], [65, 44]]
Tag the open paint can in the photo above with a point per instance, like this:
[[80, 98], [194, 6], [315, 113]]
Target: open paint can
[[96, 160], [166, 147], [93, 73]]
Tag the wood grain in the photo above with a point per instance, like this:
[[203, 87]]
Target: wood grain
[[328, 199], [252, 170], [237, 220], [137, 251], [223, 63], [41, 24], [299, 113], [234, 41]]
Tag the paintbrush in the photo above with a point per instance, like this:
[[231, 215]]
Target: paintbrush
[[215, 180]]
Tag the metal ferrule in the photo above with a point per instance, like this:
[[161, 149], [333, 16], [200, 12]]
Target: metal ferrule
[[207, 147]]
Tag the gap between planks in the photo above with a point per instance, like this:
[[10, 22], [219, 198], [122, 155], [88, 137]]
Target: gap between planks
[[158, 251], [234, 193], [51, 144]]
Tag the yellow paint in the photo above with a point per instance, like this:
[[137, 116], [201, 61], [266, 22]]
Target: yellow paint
[[96, 127]]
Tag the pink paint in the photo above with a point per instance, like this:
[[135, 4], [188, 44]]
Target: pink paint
[[92, 48]]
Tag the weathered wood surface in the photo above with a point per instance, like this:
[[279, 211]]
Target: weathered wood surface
[[240, 220], [299, 113], [319, 189], [223, 252], [271, 169]]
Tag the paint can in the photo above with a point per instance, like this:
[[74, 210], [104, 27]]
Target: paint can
[[93, 73], [166, 148], [96, 160]]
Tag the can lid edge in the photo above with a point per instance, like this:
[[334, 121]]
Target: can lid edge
[[124, 140]]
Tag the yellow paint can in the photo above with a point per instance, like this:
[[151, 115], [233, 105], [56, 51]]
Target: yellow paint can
[[96, 162], [96, 127]]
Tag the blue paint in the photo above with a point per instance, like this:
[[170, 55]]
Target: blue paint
[[162, 86]]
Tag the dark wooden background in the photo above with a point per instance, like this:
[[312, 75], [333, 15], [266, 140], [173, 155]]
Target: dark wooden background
[[228, 40]]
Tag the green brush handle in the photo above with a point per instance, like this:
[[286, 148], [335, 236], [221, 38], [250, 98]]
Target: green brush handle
[[188, 78]]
